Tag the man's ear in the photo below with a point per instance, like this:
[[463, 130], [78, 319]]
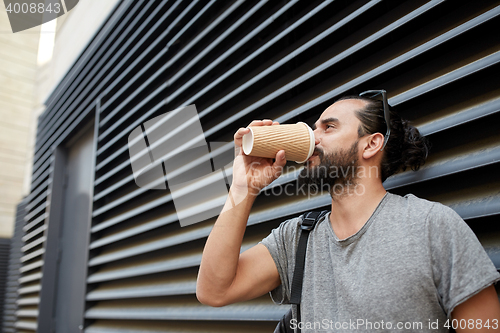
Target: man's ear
[[373, 144]]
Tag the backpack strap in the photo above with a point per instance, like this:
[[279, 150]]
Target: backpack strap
[[308, 223]]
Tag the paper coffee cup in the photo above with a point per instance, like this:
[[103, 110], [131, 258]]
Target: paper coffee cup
[[297, 140]]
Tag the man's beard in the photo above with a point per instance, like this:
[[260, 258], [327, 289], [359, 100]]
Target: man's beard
[[335, 173]]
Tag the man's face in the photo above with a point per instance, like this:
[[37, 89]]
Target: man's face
[[335, 157]]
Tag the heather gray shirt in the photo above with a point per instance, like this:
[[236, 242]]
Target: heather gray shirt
[[404, 271]]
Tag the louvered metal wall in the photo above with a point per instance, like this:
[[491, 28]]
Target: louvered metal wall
[[4, 268], [11, 292], [238, 61]]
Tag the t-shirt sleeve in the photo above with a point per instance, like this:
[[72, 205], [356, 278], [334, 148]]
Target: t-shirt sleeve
[[280, 243], [460, 264]]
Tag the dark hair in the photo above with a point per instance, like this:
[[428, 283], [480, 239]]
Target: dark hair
[[406, 147]]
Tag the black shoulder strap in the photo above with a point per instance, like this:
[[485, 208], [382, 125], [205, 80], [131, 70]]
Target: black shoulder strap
[[308, 223]]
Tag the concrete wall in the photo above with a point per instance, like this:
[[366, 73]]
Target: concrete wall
[[18, 54]]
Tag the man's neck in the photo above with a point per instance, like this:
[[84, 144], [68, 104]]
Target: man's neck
[[351, 211]]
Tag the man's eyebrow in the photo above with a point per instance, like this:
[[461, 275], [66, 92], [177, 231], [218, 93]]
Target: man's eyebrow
[[326, 121]]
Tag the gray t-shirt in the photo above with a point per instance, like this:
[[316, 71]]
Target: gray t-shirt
[[405, 270]]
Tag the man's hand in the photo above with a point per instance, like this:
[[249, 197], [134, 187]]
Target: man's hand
[[255, 173], [481, 308]]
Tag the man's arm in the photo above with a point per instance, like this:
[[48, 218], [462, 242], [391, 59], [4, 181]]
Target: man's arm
[[481, 308], [225, 275]]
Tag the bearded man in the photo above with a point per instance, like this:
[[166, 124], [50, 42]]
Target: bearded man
[[377, 259]]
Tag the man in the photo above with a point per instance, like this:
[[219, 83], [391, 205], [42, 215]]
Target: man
[[378, 262]]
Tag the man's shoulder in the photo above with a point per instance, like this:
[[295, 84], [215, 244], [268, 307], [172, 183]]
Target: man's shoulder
[[291, 225], [433, 211], [408, 205], [421, 205], [290, 228], [411, 200]]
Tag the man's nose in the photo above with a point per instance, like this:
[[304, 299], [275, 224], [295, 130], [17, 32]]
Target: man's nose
[[316, 137]]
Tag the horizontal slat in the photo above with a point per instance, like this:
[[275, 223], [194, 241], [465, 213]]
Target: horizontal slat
[[465, 116], [35, 232], [35, 222], [28, 325], [152, 245], [133, 212], [27, 268], [495, 258], [33, 244], [35, 212], [29, 290], [481, 207], [452, 165], [39, 198], [166, 289], [40, 180], [10, 307], [447, 78], [240, 312], [184, 261], [32, 255], [31, 277], [149, 326], [150, 225], [29, 301], [27, 313]]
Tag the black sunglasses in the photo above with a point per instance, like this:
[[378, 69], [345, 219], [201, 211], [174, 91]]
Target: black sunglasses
[[372, 94]]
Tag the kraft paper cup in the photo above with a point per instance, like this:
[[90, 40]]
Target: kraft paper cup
[[297, 140]]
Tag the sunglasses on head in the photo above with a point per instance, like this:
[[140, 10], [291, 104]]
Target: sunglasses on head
[[373, 94]]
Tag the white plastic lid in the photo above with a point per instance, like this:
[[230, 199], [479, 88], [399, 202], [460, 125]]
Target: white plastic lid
[[312, 143], [247, 142]]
